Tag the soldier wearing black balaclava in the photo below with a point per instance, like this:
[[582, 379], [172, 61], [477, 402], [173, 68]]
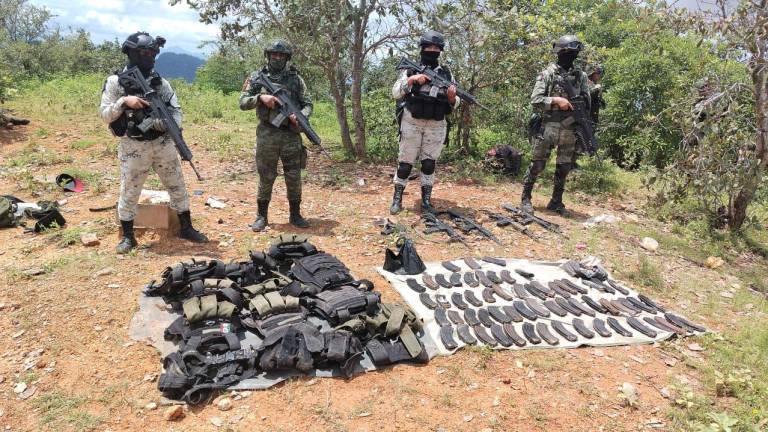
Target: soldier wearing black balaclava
[[140, 151], [550, 99], [423, 125]]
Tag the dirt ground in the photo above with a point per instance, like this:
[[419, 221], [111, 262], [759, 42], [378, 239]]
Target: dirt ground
[[65, 331]]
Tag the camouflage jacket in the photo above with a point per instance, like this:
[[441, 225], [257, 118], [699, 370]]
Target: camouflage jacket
[[546, 87], [289, 79]]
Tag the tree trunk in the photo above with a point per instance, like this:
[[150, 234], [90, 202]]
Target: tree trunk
[[466, 128], [338, 93], [358, 54], [739, 203]]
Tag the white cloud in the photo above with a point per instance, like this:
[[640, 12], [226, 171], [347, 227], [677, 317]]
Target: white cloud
[[116, 19]]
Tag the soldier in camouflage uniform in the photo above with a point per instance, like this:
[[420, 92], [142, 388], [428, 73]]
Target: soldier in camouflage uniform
[[141, 151], [558, 125], [594, 76], [423, 126], [282, 143]]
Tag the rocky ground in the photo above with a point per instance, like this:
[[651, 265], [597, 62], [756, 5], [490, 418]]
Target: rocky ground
[[67, 362]]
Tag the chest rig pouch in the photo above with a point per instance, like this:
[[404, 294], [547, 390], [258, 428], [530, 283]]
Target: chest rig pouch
[[427, 101], [558, 90], [129, 122]]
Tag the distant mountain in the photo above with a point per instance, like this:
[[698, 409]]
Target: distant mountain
[[173, 65]]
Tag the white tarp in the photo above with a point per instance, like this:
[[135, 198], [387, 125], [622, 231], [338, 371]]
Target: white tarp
[[544, 272]]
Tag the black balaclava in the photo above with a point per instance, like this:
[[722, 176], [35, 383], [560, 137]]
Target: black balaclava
[[276, 65], [566, 58], [145, 63], [429, 58]]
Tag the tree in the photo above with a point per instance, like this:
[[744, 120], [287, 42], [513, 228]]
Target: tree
[[23, 22], [729, 166], [339, 36]]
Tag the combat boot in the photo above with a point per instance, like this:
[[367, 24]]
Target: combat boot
[[397, 200], [426, 196], [295, 218], [187, 232], [556, 203], [260, 224], [525, 201], [128, 241]]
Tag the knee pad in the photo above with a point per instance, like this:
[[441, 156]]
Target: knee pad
[[537, 167], [404, 170], [428, 166]]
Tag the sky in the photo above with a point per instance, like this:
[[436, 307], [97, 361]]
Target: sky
[[110, 19]]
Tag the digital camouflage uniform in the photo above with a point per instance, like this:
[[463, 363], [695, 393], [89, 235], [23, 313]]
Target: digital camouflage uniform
[[141, 150], [283, 143], [138, 157], [423, 126]]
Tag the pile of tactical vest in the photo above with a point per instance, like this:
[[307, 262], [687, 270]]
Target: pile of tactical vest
[[304, 306]]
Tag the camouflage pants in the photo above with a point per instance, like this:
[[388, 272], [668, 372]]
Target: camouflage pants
[[555, 135], [273, 145], [420, 139], [136, 159]]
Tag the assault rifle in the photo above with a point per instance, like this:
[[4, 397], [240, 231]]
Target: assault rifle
[[159, 111], [581, 114], [434, 225], [527, 218], [438, 80], [466, 224], [503, 221], [287, 107]]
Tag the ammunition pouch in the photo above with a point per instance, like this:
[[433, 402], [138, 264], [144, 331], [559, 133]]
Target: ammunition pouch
[[291, 347], [289, 247], [271, 303], [207, 307]]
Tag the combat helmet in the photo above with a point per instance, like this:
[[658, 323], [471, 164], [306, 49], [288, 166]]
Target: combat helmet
[[142, 40], [432, 37], [567, 43], [279, 46]]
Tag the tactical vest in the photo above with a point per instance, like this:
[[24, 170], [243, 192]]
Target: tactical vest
[[128, 122], [289, 80], [556, 89], [427, 101]]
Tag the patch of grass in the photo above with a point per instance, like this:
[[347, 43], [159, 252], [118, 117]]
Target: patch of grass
[[648, 274], [481, 355], [64, 237], [598, 178], [735, 379], [59, 411], [42, 132], [37, 156], [82, 144]]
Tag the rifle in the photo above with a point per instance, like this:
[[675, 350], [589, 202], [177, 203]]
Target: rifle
[[503, 221], [434, 225], [438, 81], [287, 107], [466, 224], [580, 113], [159, 111], [527, 218]]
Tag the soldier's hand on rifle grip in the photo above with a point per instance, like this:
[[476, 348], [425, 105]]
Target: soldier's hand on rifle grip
[[451, 94], [268, 101], [562, 103], [417, 79], [294, 122], [134, 102]]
